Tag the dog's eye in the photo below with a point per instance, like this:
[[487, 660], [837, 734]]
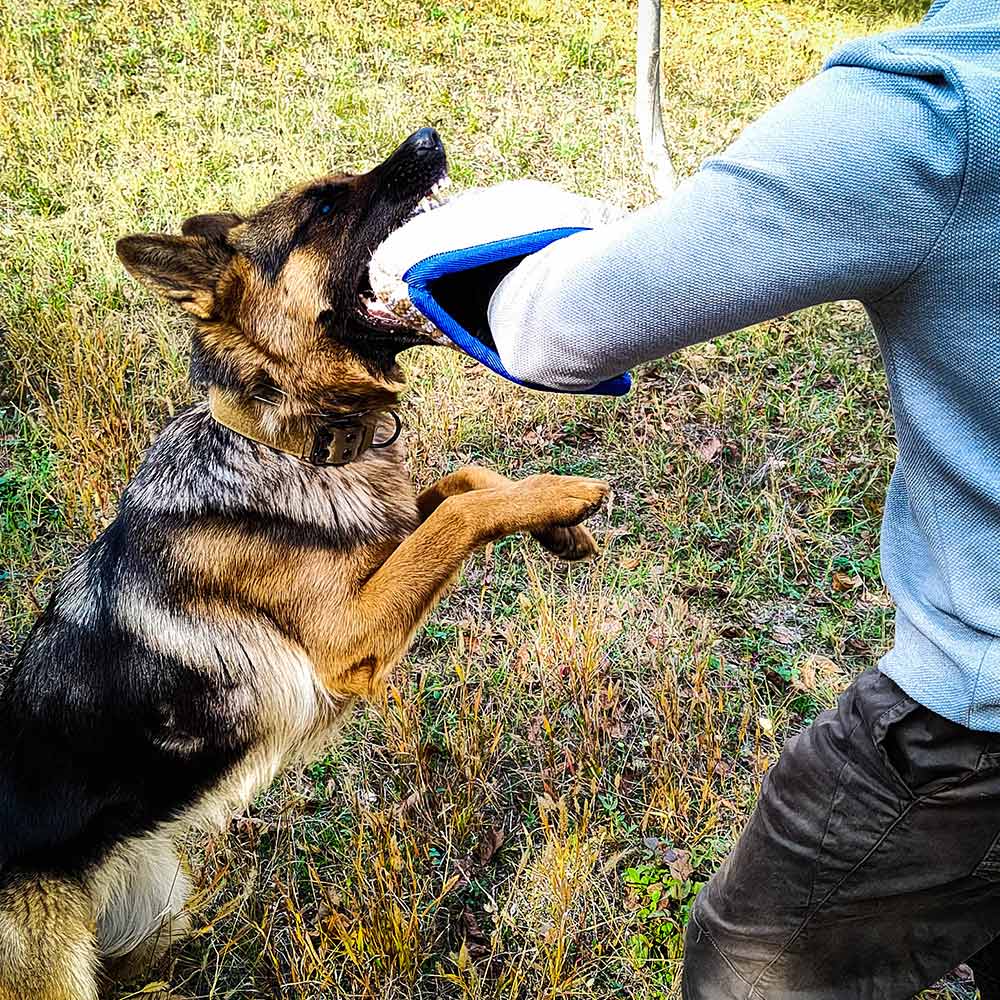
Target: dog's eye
[[330, 199]]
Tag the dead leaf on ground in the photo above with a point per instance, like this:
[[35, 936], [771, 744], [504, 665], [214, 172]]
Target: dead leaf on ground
[[679, 863], [710, 449], [489, 843], [816, 669], [410, 806], [476, 941], [675, 858], [806, 680], [786, 636], [535, 728], [843, 582]]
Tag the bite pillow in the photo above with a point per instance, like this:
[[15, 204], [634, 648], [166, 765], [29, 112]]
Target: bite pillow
[[438, 270]]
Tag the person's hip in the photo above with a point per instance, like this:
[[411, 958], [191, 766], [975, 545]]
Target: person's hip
[[871, 865]]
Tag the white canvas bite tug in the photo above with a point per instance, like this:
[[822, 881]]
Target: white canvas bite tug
[[439, 269]]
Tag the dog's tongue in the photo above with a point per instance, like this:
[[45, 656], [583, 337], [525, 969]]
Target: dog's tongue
[[467, 230]]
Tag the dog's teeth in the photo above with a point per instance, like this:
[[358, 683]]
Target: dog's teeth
[[433, 199]]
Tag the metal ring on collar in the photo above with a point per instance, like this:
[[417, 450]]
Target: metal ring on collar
[[395, 434]]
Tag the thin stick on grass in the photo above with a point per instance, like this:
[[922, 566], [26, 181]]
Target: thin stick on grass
[[647, 99]]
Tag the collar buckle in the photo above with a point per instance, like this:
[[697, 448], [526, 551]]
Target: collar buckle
[[339, 443]]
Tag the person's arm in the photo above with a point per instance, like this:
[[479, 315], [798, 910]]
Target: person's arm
[[839, 192]]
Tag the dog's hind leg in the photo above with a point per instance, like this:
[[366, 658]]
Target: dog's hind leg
[[48, 949], [143, 892]]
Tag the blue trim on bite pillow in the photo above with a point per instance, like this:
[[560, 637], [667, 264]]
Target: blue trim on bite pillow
[[421, 275]]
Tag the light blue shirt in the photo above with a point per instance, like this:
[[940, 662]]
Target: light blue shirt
[[879, 180]]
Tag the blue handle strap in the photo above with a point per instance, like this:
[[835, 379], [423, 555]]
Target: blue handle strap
[[421, 276]]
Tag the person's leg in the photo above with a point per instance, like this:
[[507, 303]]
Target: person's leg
[[985, 965], [866, 869], [707, 971]]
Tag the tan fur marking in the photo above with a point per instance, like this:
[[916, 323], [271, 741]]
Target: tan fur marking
[[573, 543], [47, 941], [355, 613]]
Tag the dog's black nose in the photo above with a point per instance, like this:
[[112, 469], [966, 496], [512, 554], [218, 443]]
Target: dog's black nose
[[425, 139], [418, 163]]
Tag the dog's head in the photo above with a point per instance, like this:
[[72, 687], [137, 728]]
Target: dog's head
[[280, 296]]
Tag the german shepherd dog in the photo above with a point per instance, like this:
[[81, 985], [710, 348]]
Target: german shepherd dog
[[269, 564]]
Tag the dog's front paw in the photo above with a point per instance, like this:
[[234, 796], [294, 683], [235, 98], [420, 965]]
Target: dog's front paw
[[558, 501], [572, 544]]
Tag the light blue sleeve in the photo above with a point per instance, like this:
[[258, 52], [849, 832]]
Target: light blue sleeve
[[839, 192]]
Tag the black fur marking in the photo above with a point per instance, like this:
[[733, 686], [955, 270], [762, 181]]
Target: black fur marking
[[331, 197], [102, 739], [272, 257], [214, 225], [268, 245], [207, 368]]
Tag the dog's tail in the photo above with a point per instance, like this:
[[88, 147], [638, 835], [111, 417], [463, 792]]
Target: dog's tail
[[48, 949]]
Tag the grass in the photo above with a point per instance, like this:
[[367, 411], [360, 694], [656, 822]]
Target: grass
[[570, 752]]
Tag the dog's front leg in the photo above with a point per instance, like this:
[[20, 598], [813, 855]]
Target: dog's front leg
[[395, 600], [571, 543]]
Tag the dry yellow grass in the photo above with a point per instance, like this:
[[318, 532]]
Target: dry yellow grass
[[571, 752]]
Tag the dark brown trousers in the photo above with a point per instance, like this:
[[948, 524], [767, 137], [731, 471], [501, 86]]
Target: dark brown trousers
[[870, 866]]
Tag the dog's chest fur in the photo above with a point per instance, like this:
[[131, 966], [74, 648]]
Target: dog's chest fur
[[197, 468]]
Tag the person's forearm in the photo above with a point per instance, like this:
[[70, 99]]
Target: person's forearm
[[593, 305], [795, 213]]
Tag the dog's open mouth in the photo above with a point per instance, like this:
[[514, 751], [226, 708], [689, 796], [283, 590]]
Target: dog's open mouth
[[433, 199], [381, 314]]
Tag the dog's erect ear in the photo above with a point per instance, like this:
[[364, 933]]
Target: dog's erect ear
[[212, 225], [184, 269]]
